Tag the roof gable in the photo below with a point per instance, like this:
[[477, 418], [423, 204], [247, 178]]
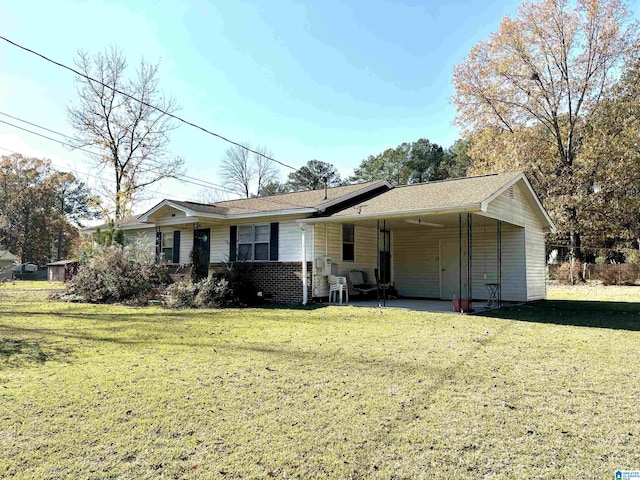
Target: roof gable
[[443, 195], [459, 194], [311, 201]]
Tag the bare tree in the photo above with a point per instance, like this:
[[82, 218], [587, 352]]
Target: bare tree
[[266, 171], [246, 172], [132, 134], [210, 195]]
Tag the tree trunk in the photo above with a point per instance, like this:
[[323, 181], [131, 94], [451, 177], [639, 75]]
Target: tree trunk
[[59, 254]]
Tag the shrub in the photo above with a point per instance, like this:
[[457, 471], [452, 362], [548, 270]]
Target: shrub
[[632, 256], [180, 295], [216, 292], [115, 274], [230, 286], [619, 274], [563, 273]]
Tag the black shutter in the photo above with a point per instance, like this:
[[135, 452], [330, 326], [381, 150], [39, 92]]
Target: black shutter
[[273, 242], [233, 239], [158, 245], [176, 246]]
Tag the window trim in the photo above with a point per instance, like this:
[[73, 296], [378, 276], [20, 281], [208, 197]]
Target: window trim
[[353, 242], [168, 235], [253, 243]]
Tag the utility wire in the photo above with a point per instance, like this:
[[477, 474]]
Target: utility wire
[[220, 187], [192, 180], [146, 189], [175, 117]]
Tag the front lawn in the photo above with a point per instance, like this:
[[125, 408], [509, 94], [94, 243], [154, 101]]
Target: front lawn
[[91, 391]]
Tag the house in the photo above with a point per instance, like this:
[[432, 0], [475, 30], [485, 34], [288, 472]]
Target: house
[[439, 240], [7, 259]]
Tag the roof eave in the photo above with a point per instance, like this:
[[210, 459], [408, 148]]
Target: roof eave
[[475, 207], [273, 213], [187, 211]]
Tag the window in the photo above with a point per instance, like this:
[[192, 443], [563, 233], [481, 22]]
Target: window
[[253, 242], [348, 241], [166, 246]]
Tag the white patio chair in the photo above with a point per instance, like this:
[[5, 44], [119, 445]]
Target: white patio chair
[[337, 285]]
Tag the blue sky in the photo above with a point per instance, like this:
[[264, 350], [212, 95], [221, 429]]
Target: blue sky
[[333, 81]]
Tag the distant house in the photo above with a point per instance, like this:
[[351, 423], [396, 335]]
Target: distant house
[[7, 260], [433, 240]]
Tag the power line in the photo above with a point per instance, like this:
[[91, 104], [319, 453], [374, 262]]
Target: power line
[[85, 150], [201, 183], [146, 189], [142, 102], [192, 180]]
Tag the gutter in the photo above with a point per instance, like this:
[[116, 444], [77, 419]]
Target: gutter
[[475, 207]]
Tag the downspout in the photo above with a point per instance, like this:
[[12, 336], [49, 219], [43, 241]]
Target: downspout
[[305, 294]]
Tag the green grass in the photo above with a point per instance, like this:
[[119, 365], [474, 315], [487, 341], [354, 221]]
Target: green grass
[[89, 391]]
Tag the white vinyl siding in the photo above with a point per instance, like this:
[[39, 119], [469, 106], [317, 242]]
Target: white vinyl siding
[[514, 279], [289, 240], [536, 264], [416, 260], [149, 236], [517, 210]]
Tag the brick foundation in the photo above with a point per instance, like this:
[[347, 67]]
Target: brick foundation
[[280, 282]]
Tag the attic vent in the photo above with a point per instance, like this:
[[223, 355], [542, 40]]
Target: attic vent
[[511, 192]]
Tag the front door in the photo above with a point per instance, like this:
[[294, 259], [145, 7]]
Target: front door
[[201, 245], [449, 269]]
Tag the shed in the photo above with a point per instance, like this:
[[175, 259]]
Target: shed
[[7, 259], [62, 270]]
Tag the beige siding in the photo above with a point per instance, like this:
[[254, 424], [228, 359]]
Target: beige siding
[[328, 242], [514, 208], [416, 260]]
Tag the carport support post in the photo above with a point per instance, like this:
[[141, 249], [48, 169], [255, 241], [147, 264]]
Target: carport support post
[[305, 294], [469, 262], [459, 255], [499, 262]]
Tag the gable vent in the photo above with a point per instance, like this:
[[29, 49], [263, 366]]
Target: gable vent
[[511, 192]]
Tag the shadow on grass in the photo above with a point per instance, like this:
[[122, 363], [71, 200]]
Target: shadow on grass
[[613, 315], [29, 351]]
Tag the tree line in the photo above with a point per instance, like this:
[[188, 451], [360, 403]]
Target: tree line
[[40, 209], [553, 92]]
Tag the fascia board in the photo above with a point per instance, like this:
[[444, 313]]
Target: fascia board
[[475, 207], [273, 213]]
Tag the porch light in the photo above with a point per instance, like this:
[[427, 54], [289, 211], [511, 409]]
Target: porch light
[[424, 224]]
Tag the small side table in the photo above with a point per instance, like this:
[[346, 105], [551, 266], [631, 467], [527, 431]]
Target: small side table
[[494, 290]]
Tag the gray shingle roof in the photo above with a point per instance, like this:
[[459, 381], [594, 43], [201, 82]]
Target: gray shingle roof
[[443, 194], [289, 201]]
